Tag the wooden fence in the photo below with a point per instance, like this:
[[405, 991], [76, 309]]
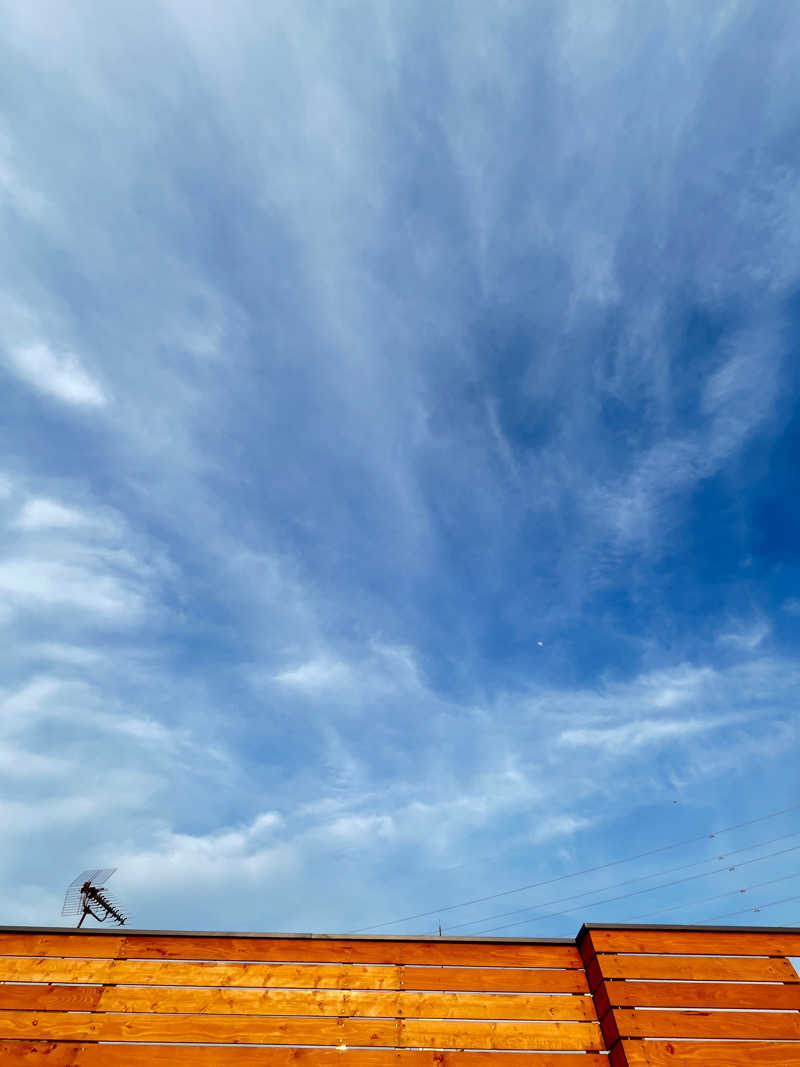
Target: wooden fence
[[711, 997], [617, 996]]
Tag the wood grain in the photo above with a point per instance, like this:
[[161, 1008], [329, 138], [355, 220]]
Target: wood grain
[[434, 953], [497, 979], [717, 943], [745, 1025], [151, 972], [500, 1035], [47, 1054], [279, 1030], [299, 976], [192, 1001], [698, 968], [710, 1054], [755, 996]]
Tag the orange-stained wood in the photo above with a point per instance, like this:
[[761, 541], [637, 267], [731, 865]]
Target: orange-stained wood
[[710, 1054], [500, 1035], [92, 945], [280, 1030], [745, 1025], [497, 980], [716, 943], [193, 1001], [413, 1003], [756, 996], [434, 953], [47, 1054], [50, 997], [698, 968], [152, 972], [283, 975]]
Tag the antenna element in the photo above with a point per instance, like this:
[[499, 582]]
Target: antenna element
[[86, 896]]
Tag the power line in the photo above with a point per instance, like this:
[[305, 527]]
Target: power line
[[757, 908], [577, 874], [718, 896], [638, 892], [627, 881]]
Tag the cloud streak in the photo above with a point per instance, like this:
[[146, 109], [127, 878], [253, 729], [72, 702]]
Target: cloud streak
[[399, 445], [57, 375]]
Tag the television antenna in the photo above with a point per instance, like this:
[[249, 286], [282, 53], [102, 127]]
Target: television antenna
[[86, 896]]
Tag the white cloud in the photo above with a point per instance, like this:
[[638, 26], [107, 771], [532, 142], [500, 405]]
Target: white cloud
[[226, 857], [374, 669], [40, 513], [27, 700], [52, 699], [58, 375], [75, 655], [748, 637], [317, 674], [553, 827], [621, 740], [30, 765], [497, 787], [356, 415], [32, 582], [81, 558]]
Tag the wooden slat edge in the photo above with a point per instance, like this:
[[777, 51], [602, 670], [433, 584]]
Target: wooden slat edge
[[753, 996], [744, 1025], [698, 968], [297, 976], [717, 943], [55, 1054], [269, 1030], [434, 953], [711, 1054], [323, 1003]]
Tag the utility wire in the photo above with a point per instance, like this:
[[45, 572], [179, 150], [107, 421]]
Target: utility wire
[[577, 874], [757, 908], [628, 881], [718, 896], [638, 892]]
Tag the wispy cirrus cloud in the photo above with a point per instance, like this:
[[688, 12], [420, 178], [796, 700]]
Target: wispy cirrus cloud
[[399, 441], [39, 513], [59, 375]]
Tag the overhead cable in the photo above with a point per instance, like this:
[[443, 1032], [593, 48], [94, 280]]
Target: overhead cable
[[638, 892], [627, 881], [576, 874], [718, 896], [757, 908]]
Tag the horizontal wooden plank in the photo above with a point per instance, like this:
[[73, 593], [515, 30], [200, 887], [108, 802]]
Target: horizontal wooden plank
[[190, 1000], [152, 972], [434, 953], [755, 996], [50, 997], [698, 968], [496, 979], [280, 1030], [500, 1035], [437, 953], [89, 946], [297, 976], [710, 1054], [711, 942], [745, 1025], [74, 1055]]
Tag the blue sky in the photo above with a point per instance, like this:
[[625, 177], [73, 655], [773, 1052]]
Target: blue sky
[[398, 488]]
